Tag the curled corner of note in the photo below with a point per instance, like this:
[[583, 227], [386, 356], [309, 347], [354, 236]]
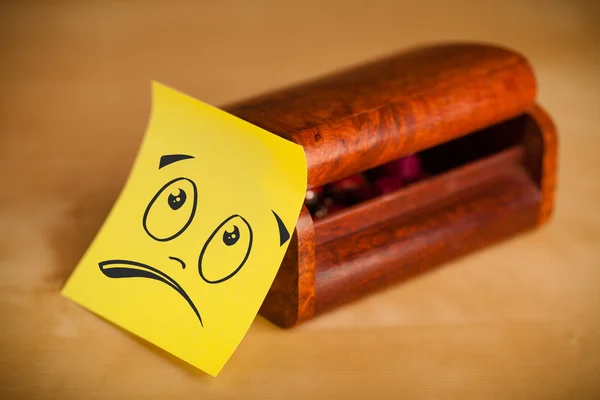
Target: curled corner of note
[[195, 239]]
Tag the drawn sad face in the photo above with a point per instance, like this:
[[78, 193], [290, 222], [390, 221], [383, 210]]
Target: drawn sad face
[[167, 216], [195, 239]]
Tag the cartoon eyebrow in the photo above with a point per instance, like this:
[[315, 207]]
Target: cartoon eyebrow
[[284, 234], [171, 158]]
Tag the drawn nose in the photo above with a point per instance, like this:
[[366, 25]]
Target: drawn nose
[[179, 260]]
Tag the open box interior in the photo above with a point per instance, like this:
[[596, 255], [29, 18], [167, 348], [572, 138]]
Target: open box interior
[[488, 174]]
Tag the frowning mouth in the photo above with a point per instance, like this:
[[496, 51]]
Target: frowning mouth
[[132, 269]]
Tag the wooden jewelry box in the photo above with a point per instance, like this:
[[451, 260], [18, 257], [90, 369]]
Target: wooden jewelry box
[[488, 157]]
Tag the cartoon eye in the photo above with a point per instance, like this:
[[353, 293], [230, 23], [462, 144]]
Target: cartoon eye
[[171, 210], [226, 250]]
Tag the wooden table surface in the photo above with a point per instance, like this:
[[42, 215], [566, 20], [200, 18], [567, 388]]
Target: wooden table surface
[[519, 320]]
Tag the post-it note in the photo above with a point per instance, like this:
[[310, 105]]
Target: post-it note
[[192, 245]]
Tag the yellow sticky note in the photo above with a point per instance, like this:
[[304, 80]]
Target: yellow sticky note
[[195, 239]]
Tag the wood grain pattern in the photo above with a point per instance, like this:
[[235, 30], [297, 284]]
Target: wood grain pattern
[[368, 115], [482, 211], [464, 108]]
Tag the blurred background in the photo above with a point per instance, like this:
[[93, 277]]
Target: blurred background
[[518, 320]]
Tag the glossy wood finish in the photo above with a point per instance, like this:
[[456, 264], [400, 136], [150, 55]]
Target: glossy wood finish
[[469, 109], [365, 116], [472, 208]]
